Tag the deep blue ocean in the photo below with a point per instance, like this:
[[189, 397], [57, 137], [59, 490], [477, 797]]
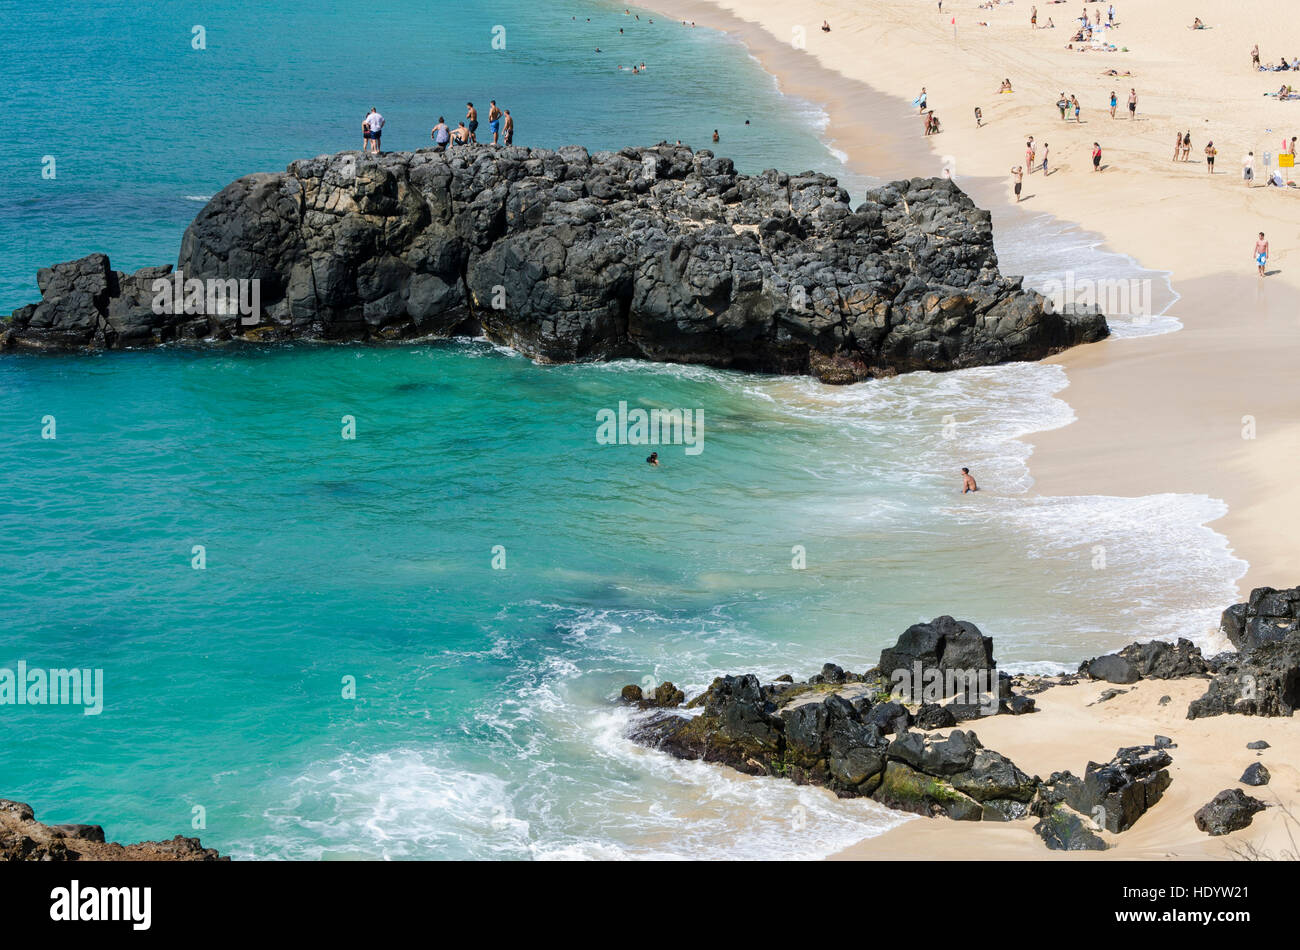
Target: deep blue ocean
[[407, 644]]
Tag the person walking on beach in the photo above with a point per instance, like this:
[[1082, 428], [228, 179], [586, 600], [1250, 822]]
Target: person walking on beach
[[1114, 101], [1045, 147], [494, 120], [1187, 144], [471, 117], [1074, 101], [1248, 169], [376, 123], [1018, 176], [441, 135], [1062, 104], [1096, 156], [1132, 103], [1254, 56], [921, 99], [1210, 152], [1261, 254], [968, 481], [1029, 155], [1178, 147]]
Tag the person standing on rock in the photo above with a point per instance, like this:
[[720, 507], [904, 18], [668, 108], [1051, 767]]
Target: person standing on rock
[[494, 120], [968, 482], [471, 116], [509, 126], [376, 123]]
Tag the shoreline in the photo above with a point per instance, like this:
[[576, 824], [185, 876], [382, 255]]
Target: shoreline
[[1201, 410], [1198, 389]]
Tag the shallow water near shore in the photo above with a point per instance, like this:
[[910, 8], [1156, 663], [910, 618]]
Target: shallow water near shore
[[483, 722]]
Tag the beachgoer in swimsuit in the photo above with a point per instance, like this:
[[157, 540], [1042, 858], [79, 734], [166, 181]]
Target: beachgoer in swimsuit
[[967, 482], [1210, 152], [1018, 176], [1132, 103], [494, 120], [1096, 156], [1114, 101], [471, 116]]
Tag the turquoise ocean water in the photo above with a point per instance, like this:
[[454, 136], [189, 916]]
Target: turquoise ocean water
[[482, 722]]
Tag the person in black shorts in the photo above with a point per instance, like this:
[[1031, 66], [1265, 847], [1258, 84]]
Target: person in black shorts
[[1018, 176], [471, 119]]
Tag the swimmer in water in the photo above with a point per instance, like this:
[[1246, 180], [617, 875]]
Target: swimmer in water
[[968, 482], [653, 459]]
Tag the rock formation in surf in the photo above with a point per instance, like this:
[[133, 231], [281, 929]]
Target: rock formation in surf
[[873, 735], [656, 253]]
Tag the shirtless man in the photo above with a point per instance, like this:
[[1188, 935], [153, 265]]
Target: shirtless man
[[967, 482], [460, 135], [494, 120], [1132, 103], [508, 127], [471, 116], [1018, 176], [1261, 253]]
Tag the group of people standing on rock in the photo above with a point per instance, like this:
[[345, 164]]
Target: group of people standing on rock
[[500, 122]]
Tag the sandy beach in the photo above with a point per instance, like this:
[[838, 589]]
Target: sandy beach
[[1210, 409], [1157, 414]]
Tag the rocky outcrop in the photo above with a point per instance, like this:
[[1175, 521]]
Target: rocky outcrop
[[1229, 811], [1263, 682], [1115, 794], [658, 253], [1267, 616], [23, 838], [1156, 659]]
